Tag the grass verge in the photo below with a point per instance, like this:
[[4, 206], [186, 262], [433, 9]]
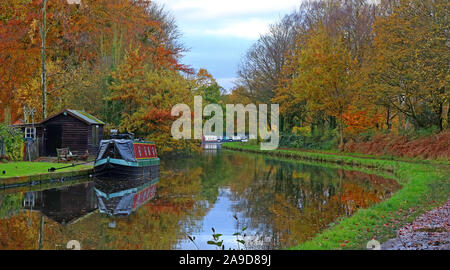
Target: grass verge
[[425, 186], [14, 169]]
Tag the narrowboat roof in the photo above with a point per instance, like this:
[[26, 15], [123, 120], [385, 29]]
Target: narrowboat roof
[[144, 142], [128, 140]]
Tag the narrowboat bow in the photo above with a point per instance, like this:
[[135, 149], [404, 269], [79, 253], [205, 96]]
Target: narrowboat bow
[[127, 158]]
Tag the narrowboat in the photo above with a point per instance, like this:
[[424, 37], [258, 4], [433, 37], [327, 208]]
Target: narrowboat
[[123, 157]]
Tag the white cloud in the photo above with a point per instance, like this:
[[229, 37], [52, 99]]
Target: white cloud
[[227, 83], [218, 32], [247, 29], [246, 19], [217, 9]]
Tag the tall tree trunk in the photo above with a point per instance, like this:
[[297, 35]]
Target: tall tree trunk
[[389, 119], [43, 59], [400, 122]]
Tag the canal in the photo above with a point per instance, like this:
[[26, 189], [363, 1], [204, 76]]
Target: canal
[[248, 201]]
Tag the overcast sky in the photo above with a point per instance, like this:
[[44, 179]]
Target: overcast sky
[[218, 33]]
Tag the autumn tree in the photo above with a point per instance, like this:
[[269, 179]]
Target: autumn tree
[[408, 67], [146, 95], [19, 53], [326, 76]]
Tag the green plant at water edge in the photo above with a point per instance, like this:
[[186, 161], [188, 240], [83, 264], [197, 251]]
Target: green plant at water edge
[[11, 142], [216, 242], [239, 234]]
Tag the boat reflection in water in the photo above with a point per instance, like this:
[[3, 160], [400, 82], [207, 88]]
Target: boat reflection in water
[[117, 198], [67, 205]]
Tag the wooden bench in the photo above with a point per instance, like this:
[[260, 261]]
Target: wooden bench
[[65, 155], [62, 153]]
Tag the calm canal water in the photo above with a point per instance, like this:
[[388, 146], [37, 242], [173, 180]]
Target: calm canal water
[[272, 203]]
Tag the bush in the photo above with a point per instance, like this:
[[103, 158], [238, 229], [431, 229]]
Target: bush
[[11, 140], [421, 133], [305, 140]]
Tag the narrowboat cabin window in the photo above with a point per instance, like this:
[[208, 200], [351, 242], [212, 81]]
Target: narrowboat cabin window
[[30, 133]]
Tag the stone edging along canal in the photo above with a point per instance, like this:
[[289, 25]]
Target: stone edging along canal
[[45, 178], [424, 187]]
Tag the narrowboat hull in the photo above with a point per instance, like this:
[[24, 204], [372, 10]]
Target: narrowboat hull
[[120, 169]]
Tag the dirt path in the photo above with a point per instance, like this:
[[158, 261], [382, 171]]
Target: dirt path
[[431, 231]]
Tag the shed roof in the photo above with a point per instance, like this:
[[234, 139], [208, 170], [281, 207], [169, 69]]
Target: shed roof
[[87, 117], [81, 115]]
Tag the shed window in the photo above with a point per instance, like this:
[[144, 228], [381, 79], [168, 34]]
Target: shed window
[[30, 133]]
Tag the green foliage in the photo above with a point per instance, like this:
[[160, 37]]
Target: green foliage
[[12, 139], [326, 140], [211, 94], [302, 131], [421, 132]]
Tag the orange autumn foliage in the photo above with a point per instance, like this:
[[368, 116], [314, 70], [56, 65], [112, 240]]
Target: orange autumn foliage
[[359, 121]]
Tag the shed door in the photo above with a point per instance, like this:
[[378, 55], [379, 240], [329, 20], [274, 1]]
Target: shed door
[[53, 140]]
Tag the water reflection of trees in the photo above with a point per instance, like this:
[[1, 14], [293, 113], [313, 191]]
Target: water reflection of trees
[[158, 224], [288, 203], [284, 203]]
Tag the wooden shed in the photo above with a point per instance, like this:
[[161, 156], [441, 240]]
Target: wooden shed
[[73, 129]]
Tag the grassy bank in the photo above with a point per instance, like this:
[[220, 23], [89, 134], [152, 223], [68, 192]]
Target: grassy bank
[[15, 169], [425, 186]]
